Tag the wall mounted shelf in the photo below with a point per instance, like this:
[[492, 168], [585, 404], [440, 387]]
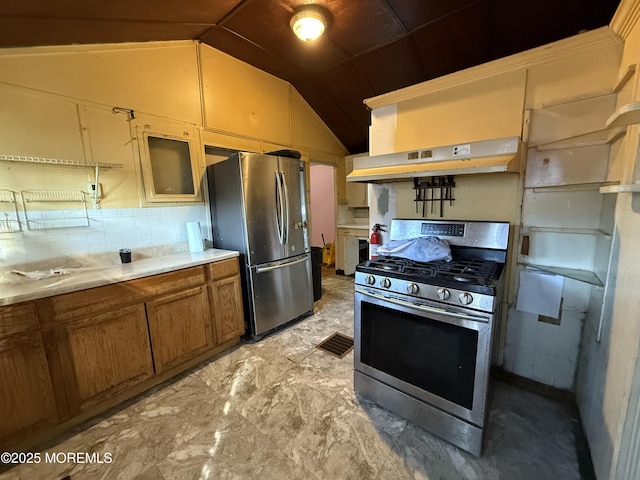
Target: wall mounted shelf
[[626, 115], [624, 78], [576, 187], [585, 276], [64, 163], [34, 197], [627, 188], [11, 221], [56, 161], [600, 137], [576, 231]]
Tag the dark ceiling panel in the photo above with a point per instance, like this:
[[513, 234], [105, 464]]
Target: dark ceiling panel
[[27, 33], [444, 47], [394, 66], [416, 14], [356, 32], [510, 34], [267, 24], [332, 114], [348, 87], [196, 11], [228, 42]]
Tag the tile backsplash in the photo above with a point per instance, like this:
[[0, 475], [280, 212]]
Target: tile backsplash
[[109, 230]]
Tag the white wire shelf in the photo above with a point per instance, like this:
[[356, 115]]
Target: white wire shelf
[[38, 220], [55, 161], [9, 219]]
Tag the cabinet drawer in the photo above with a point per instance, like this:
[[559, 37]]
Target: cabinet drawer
[[18, 318], [222, 269], [65, 307], [354, 232]]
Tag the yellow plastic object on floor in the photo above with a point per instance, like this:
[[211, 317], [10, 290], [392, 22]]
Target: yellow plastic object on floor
[[329, 254]]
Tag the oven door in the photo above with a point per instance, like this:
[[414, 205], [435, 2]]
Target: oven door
[[438, 356]]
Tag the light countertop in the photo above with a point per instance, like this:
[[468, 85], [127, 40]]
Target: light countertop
[[15, 288], [359, 226]]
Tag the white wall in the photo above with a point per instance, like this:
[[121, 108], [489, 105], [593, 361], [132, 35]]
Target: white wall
[[109, 230], [608, 366]]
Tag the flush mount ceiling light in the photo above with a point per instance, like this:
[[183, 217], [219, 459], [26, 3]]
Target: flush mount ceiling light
[[308, 22]]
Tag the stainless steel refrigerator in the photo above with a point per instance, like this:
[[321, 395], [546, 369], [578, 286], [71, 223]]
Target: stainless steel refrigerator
[[259, 208]]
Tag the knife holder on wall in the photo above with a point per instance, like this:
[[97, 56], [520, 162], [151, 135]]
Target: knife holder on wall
[[70, 198], [426, 191], [9, 219]]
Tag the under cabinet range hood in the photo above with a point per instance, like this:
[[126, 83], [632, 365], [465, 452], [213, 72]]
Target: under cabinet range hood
[[486, 156]]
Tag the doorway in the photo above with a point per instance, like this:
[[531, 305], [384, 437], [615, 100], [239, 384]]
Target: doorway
[[322, 203]]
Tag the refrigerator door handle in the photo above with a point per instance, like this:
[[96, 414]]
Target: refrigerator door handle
[[285, 230], [281, 265], [279, 207]]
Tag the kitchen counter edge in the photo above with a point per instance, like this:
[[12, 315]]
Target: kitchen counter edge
[[12, 293]]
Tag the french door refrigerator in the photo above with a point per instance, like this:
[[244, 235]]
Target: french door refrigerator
[[259, 208]]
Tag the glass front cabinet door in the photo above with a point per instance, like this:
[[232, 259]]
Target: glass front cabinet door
[[170, 160]]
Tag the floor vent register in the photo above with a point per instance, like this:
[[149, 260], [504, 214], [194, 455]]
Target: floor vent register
[[337, 344]]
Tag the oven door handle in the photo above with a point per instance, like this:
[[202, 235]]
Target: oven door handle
[[424, 308]]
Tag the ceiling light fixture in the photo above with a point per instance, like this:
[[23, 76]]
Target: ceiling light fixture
[[308, 23]]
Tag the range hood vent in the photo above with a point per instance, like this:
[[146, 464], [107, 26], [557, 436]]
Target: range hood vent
[[486, 156]]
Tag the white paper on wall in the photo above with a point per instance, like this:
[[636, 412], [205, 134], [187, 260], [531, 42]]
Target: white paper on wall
[[194, 236], [540, 293]]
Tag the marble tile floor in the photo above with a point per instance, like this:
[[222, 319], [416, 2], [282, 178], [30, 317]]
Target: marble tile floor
[[283, 409]]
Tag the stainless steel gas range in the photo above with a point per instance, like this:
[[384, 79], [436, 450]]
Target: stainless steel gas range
[[424, 331]]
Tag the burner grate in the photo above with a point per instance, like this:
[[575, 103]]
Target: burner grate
[[467, 271], [337, 345], [480, 272]]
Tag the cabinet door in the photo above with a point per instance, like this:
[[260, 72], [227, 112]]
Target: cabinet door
[[226, 305], [26, 396], [351, 255], [109, 353], [357, 193], [171, 162], [180, 327]]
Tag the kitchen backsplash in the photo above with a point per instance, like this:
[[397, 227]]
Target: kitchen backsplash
[[109, 230]]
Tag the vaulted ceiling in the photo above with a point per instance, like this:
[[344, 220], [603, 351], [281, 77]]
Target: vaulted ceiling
[[371, 47]]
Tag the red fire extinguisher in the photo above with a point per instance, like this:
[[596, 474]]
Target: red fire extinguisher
[[376, 240]]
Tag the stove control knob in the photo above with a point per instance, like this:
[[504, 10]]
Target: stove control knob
[[443, 294], [385, 282], [412, 288], [370, 279], [465, 298]]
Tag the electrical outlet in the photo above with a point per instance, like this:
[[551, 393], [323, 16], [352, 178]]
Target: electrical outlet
[[461, 150], [91, 188]]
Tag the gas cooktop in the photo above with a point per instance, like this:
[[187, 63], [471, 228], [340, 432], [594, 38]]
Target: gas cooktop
[[480, 276]]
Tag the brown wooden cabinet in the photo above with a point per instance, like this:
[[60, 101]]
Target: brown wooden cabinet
[[26, 396], [225, 295], [68, 357], [180, 327], [110, 353]]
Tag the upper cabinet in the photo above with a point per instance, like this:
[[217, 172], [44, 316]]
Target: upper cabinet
[[171, 162], [357, 193]]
